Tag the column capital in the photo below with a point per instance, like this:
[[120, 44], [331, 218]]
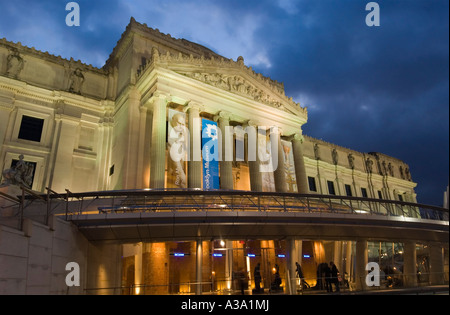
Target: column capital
[[250, 123], [296, 137], [194, 106], [280, 130], [223, 115], [158, 95], [143, 109]]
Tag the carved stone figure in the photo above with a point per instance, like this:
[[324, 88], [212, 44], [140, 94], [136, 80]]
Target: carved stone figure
[[402, 175], [391, 169], [369, 165], [76, 81], [384, 169], [236, 84], [407, 174], [15, 64], [335, 156], [351, 161], [316, 152], [19, 174]]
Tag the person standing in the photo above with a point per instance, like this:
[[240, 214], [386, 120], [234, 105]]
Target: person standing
[[257, 277], [327, 271], [303, 283], [334, 277]]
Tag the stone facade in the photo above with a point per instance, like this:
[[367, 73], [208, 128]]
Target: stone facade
[[84, 129], [103, 128]]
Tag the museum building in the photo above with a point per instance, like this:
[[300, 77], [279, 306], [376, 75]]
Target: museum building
[[174, 170]]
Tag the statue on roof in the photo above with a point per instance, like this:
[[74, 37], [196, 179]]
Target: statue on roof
[[15, 63]]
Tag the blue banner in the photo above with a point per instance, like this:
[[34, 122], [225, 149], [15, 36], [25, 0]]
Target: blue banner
[[210, 154]]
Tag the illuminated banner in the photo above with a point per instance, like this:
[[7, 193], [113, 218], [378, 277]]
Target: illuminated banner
[[289, 168], [265, 161], [210, 154], [177, 145]]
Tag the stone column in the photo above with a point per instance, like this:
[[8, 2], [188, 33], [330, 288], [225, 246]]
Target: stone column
[[195, 158], [348, 259], [199, 260], [280, 172], [362, 259], [140, 180], [294, 248], [61, 178], [158, 155], [300, 169], [253, 164], [436, 264], [5, 113], [337, 256], [409, 264], [138, 270], [229, 265], [226, 167]]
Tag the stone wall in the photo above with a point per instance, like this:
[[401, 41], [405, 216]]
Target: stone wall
[[33, 261]]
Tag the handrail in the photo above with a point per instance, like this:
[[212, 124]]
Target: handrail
[[183, 192], [157, 200]]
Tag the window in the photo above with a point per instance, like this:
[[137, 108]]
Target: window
[[312, 184], [111, 170], [348, 190], [380, 195], [364, 192], [400, 197], [31, 128], [331, 190]]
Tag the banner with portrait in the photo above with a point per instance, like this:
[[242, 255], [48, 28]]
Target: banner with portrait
[[178, 148], [289, 166], [266, 167]]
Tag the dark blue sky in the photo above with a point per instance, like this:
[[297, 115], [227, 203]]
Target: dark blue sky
[[382, 89]]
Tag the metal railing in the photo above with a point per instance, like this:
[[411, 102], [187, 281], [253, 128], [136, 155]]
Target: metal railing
[[389, 284], [173, 200]]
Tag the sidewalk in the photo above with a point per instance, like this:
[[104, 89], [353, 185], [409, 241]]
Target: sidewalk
[[425, 290]]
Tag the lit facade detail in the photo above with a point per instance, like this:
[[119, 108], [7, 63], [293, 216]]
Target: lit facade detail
[[82, 130]]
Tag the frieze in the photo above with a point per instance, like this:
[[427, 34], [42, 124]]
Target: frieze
[[235, 84], [271, 93]]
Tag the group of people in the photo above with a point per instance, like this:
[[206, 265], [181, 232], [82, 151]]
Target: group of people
[[327, 276], [274, 286], [330, 274]]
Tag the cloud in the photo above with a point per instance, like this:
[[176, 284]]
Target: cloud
[[221, 28], [370, 89], [289, 6]]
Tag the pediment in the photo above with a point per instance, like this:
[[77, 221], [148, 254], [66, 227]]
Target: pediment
[[231, 76]]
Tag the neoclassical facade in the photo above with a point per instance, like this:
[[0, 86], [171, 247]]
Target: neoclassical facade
[[166, 114], [107, 128]]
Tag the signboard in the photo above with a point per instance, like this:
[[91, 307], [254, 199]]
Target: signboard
[[210, 154]]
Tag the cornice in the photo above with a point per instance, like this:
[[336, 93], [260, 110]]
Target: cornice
[[43, 97], [50, 57]]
